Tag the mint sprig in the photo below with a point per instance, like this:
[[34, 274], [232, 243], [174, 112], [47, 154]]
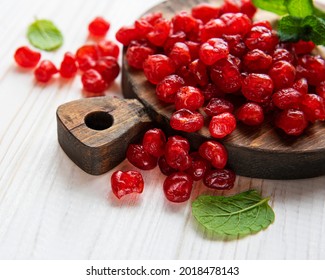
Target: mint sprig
[[303, 21]]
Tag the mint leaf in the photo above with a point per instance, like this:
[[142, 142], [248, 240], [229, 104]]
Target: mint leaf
[[276, 6], [300, 8], [314, 29], [44, 35], [237, 215], [289, 29]]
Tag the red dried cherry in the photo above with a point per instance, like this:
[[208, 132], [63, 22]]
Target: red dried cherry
[[222, 125], [220, 179], [291, 121], [320, 90], [205, 12], [154, 141], [158, 66], [164, 167], [236, 44], [178, 187], [257, 87], [213, 50], [303, 47], [283, 74], [176, 153], [313, 106], [44, 71], [126, 182], [93, 82], [287, 98], [126, 34], [215, 153], [68, 68], [210, 91], [137, 156], [250, 114], [236, 23], [282, 54], [136, 55], [108, 67], [262, 38], [160, 32], [108, 48], [86, 57], [179, 36], [257, 61], [184, 22], [199, 71], [180, 54], [225, 74], [301, 85], [312, 68], [27, 58], [186, 120], [217, 106], [212, 29], [198, 167], [166, 90], [98, 27], [188, 97]]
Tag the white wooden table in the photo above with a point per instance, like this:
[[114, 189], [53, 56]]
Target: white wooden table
[[50, 209]]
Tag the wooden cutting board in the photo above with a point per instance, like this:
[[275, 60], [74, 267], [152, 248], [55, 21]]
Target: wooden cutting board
[[95, 132]]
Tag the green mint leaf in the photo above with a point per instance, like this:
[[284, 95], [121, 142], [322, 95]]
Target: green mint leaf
[[276, 6], [314, 29], [300, 8], [290, 29], [44, 35], [238, 215]]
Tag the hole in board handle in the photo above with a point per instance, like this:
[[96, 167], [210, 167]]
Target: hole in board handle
[[99, 120]]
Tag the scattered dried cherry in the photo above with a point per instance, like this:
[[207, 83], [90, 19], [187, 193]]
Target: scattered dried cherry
[[154, 141], [44, 71], [108, 67], [68, 68], [178, 187], [140, 158], [98, 27], [177, 153], [27, 58], [220, 179], [164, 167], [108, 48], [215, 153], [93, 82], [257, 61], [126, 182], [198, 167]]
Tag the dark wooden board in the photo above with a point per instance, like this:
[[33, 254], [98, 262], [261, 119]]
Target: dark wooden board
[[95, 132], [260, 152]]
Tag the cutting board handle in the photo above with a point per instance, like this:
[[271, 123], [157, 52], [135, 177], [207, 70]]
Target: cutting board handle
[[95, 132]]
